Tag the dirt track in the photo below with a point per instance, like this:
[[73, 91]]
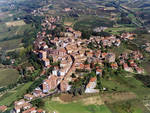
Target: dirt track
[[99, 99], [119, 96]]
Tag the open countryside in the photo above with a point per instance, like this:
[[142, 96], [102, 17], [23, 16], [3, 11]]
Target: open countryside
[[74, 56]]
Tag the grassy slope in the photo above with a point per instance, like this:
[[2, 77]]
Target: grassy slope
[[134, 106], [119, 29], [126, 84], [11, 96], [12, 43], [75, 108], [8, 76], [8, 32]]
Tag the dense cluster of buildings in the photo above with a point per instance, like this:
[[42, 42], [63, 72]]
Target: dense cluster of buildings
[[129, 61], [72, 52], [67, 54], [23, 106]]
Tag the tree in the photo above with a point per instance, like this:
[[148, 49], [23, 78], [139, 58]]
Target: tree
[[99, 82], [86, 62], [73, 75], [38, 103], [86, 34]]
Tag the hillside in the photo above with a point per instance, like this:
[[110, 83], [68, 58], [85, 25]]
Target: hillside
[[69, 56]]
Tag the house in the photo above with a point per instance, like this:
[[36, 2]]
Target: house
[[21, 104], [67, 9], [77, 34], [118, 42], [63, 71], [68, 34], [44, 46], [87, 67], [81, 53], [40, 111], [64, 86], [89, 54], [147, 49], [30, 68], [46, 62], [69, 29], [114, 65], [97, 54], [91, 85], [127, 68], [65, 62], [28, 97], [98, 71], [80, 66], [61, 52], [128, 36], [42, 54], [3, 108], [133, 64], [37, 93], [31, 110], [70, 48], [16, 109], [139, 70], [103, 55], [110, 57], [55, 72], [50, 83]]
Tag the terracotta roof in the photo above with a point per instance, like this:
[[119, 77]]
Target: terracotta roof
[[29, 110], [99, 70], [28, 95], [93, 79], [3, 108], [114, 65], [40, 110]]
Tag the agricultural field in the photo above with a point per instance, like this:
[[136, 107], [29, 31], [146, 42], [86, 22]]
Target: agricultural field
[[132, 106], [13, 95], [10, 37], [8, 76], [11, 44], [119, 30], [15, 23], [69, 21], [90, 22]]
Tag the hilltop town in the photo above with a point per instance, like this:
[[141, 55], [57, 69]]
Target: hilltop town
[[74, 56], [69, 57]]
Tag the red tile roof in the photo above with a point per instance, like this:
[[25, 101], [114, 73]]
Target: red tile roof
[[3, 108], [93, 79], [29, 110]]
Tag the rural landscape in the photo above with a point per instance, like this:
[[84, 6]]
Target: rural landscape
[[74, 56]]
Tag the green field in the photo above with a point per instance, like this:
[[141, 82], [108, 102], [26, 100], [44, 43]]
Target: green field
[[90, 22], [8, 76], [132, 106], [74, 107], [118, 50], [68, 21], [10, 37], [117, 30], [129, 84], [13, 95]]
